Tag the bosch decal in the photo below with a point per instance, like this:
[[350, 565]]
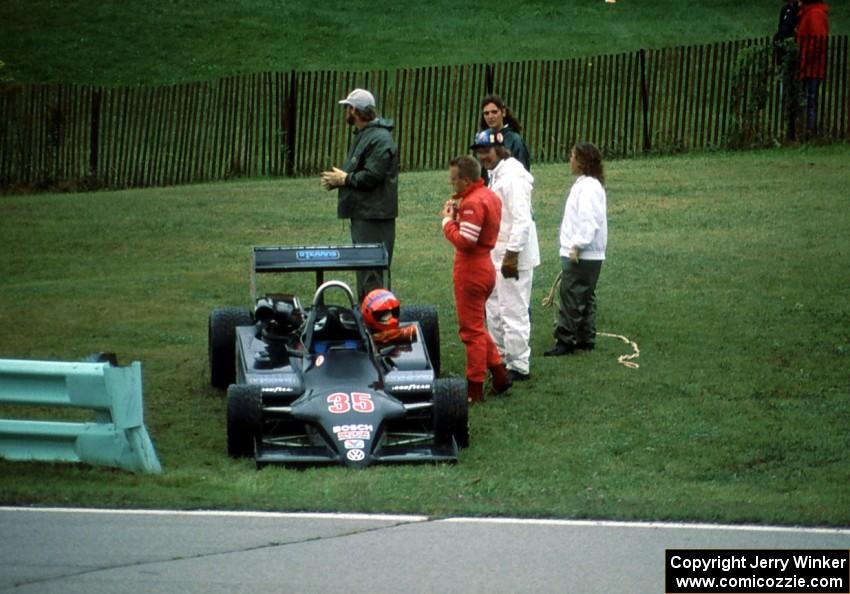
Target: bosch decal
[[338, 428], [344, 432]]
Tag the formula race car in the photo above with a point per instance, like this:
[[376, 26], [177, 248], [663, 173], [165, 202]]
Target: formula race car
[[310, 385]]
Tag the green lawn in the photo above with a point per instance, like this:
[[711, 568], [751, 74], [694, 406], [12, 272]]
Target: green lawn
[[728, 270], [110, 42]]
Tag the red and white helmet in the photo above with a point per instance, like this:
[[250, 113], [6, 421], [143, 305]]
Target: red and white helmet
[[380, 310]]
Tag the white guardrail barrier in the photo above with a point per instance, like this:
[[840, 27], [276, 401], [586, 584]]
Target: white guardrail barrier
[[116, 437]]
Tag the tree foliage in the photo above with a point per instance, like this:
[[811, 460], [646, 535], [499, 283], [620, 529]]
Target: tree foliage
[[758, 69]]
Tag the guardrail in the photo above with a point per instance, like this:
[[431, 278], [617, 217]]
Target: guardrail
[[116, 437]]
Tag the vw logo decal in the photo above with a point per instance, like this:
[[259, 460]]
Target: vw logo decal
[[355, 455]]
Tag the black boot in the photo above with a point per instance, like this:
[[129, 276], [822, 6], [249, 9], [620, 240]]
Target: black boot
[[560, 349]]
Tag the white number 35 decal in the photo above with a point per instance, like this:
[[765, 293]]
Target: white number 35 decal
[[341, 403]]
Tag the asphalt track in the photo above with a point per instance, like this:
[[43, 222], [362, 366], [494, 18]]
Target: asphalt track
[[117, 551]]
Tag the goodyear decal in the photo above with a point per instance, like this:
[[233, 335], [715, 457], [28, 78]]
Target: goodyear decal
[[411, 388], [278, 390]]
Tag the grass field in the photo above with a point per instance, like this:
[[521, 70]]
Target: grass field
[[109, 42], [729, 270]]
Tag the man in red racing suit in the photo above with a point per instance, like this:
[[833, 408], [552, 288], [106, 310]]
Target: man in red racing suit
[[471, 223]]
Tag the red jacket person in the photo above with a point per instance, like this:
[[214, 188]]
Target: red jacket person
[[471, 223], [812, 36]]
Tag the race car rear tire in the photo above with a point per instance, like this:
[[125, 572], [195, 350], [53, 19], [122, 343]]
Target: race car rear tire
[[430, 324], [222, 343], [451, 411], [244, 419]]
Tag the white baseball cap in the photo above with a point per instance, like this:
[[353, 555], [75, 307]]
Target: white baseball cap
[[359, 99]]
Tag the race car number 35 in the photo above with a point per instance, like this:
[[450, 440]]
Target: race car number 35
[[341, 403]]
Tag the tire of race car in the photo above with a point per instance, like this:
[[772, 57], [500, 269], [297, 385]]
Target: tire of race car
[[222, 343], [244, 419], [451, 411], [430, 324]]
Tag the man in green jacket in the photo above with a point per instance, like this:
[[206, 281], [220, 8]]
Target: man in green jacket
[[367, 182]]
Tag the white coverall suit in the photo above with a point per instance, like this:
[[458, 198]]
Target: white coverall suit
[[508, 317]]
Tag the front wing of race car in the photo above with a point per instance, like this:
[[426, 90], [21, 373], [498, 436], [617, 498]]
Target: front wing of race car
[[354, 428]]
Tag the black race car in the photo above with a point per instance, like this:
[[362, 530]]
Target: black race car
[[308, 385]]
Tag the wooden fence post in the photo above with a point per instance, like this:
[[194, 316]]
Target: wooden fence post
[[489, 75], [95, 132], [291, 100], [644, 100]]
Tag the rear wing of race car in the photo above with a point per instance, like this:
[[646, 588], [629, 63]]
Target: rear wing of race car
[[359, 256]]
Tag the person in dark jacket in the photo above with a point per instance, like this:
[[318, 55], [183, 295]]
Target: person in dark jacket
[[812, 34], [787, 26], [367, 182], [496, 116], [788, 87]]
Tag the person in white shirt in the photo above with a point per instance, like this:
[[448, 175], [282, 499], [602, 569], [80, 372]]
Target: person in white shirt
[[583, 239], [515, 255]]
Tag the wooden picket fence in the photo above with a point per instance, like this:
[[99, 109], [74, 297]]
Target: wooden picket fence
[[286, 124]]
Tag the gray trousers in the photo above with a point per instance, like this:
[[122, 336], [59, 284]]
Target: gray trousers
[[576, 322], [373, 231]]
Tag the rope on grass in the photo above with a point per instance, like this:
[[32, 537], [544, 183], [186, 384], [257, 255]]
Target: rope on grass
[[624, 360], [549, 299]]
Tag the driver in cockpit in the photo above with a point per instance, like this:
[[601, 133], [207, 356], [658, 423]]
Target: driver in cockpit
[[380, 310]]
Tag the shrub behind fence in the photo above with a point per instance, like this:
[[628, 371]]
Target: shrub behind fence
[[274, 124]]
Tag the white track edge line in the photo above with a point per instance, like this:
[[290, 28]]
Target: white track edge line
[[224, 514], [650, 525], [420, 518]]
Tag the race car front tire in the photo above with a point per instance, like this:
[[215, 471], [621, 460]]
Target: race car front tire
[[430, 324], [451, 411], [244, 419], [222, 343]]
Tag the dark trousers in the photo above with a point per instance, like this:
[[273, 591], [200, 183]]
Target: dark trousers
[[790, 106], [577, 308], [373, 231], [810, 91]]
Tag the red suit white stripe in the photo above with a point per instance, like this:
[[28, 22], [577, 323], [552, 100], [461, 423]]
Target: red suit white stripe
[[473, 232]]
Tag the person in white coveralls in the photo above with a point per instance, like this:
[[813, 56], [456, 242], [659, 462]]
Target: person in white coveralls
[[515, 256]]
